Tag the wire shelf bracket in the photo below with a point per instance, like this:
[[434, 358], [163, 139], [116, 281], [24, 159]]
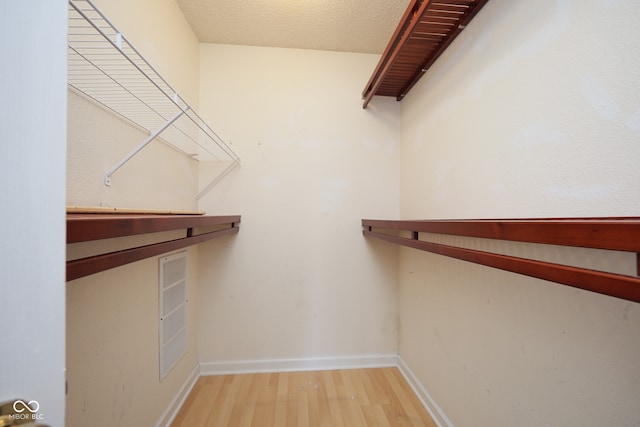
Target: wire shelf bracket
[[107, 176], [106, 68]]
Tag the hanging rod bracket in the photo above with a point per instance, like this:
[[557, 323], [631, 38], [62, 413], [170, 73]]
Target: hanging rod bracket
[[151, 137]]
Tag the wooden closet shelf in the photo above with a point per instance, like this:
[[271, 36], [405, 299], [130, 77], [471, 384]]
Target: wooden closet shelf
[[91, 227], [620, 234], [425, 31]]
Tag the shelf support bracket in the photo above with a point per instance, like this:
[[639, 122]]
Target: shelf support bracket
[[151, 137], [236, 162]]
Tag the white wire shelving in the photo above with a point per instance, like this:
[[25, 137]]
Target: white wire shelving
[[105, 67]]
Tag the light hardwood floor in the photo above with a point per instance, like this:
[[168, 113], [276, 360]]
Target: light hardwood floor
[[344, 398]]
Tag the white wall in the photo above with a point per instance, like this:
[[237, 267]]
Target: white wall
[[157, 177], [112, 346], [112, 317], [299, 280], [538, 103], [32, 147], [534, 111]]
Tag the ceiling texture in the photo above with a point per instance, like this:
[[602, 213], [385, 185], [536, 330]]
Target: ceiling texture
[[339, 25]]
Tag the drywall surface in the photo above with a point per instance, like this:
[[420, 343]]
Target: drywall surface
[[532, 112], [112, 346], [299, 280], [32, 147], [157, 177], [112, 317]]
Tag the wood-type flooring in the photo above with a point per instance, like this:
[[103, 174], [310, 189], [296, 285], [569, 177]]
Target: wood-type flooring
[[340, 398]]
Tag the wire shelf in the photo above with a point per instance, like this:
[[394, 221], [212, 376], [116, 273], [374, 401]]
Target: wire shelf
[[105, 67]]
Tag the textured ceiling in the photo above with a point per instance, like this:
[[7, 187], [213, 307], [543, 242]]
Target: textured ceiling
[[338, 25]]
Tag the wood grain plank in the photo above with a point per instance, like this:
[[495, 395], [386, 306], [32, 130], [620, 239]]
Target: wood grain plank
[[332, 398], [347, 398]]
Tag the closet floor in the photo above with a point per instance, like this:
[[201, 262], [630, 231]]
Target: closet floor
[[348, 398]]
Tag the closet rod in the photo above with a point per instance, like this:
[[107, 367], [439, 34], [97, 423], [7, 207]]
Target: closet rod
[[605, 233], [95, 264]]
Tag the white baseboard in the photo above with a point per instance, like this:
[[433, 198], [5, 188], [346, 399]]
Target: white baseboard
[[174, 406], [436, 412], [304, 364]]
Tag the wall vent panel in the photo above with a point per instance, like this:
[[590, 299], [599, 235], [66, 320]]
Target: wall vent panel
[[172, 327]]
